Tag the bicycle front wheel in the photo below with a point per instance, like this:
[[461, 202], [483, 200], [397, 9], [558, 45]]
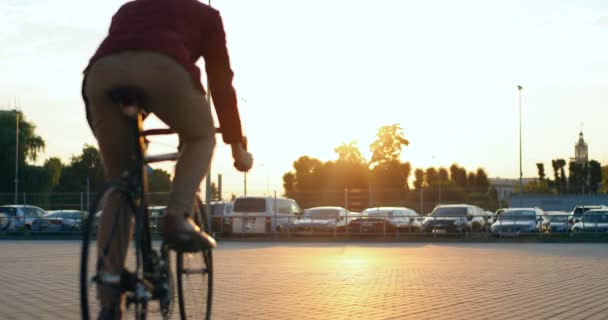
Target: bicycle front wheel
[[194, 273]]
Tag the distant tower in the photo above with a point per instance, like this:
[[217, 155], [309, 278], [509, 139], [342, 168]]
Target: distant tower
[[581, 152]]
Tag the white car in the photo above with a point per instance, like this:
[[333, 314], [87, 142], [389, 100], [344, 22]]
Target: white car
[[262, 214], [556, 222], [322, 219], [21, 216], [516, 221], [595, 220]]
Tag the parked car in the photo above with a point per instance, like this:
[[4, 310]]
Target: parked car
[[59, 220], [594, 220], [156, 214], [220, 222], [322, 219], [4, 221], [516, 221], [578, 211], [262, 214], [457, 218], [386, 220], [556, 222], [21, 216]]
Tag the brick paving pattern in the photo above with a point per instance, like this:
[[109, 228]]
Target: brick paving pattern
[[356, 280]]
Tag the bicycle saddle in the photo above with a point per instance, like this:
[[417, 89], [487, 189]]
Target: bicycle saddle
[[131, 99]]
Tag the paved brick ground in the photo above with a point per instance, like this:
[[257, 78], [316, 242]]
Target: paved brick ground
[[271, 280]]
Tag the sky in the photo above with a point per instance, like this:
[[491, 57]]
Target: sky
[[313, 74]]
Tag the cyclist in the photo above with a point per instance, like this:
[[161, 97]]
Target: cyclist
[[153, 45]]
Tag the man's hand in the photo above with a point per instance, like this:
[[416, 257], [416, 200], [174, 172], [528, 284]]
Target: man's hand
[[243, 160]]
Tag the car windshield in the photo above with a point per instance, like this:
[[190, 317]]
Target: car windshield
[[378, 213], [250, 205], [519, 215], [322, 213], [8, 211], [449, 212], [596, 217], [558, 218]]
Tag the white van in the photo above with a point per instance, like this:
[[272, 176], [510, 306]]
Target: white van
[[263, 214]]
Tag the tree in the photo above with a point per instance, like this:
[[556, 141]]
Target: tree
[[595, 176], [349, 153], [557, 181], [537, 187], [458, 175], [561, 163], [541, 170], [308, 173], [159, 180], [82, 168], [419, 178], [30, 145], [604, 188], [215, 192], [388, 144], [289, 182], [431, 176], [481, 181], [53, 166]]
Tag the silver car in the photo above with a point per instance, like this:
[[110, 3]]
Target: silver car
[[21, 217], [59, 220], [556, 221], [595, 220], [516, 221]]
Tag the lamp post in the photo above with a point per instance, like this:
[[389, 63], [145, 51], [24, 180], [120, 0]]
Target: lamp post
[[521, 174], [16, 156]]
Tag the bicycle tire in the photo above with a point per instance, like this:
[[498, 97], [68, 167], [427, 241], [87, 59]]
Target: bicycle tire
[[200, 291], [89, 262]]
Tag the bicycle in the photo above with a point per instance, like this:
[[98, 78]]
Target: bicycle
[[148, 274]]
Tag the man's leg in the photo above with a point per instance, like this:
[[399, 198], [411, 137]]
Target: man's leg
[[111, 128]]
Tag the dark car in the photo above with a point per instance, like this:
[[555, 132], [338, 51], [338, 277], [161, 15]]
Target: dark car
[[455, 218], [386, 220]]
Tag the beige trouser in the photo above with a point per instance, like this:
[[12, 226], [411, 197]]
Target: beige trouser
[[173, 97]]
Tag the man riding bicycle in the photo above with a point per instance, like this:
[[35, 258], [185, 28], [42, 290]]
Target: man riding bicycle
[[153, 46]]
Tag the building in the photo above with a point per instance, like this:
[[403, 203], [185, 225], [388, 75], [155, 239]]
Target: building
[[506, 187], [581, 151]]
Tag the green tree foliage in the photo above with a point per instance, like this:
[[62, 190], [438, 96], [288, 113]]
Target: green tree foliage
[[83, 167], [388, 144], [159, 180], [30, 145], [604, 188], [537, 187], [419, 178], [481, 181], [595, 176], [541, 170], [349, 153], [458, 176], [431, 176], [53, 167], [577, 177]]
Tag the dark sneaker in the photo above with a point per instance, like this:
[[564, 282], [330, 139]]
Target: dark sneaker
[[182, 234]]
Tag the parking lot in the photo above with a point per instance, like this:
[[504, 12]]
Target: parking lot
[[348, 280]]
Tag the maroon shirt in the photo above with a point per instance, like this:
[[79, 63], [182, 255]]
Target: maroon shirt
[[185, 30]]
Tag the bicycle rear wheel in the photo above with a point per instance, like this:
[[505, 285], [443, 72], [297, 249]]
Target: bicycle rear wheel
[[194, 275]]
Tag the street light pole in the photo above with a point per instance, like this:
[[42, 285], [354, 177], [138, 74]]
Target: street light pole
[[521, 173], [16, 156]]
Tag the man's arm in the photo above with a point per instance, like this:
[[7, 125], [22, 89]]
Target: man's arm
[[219, 73]]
